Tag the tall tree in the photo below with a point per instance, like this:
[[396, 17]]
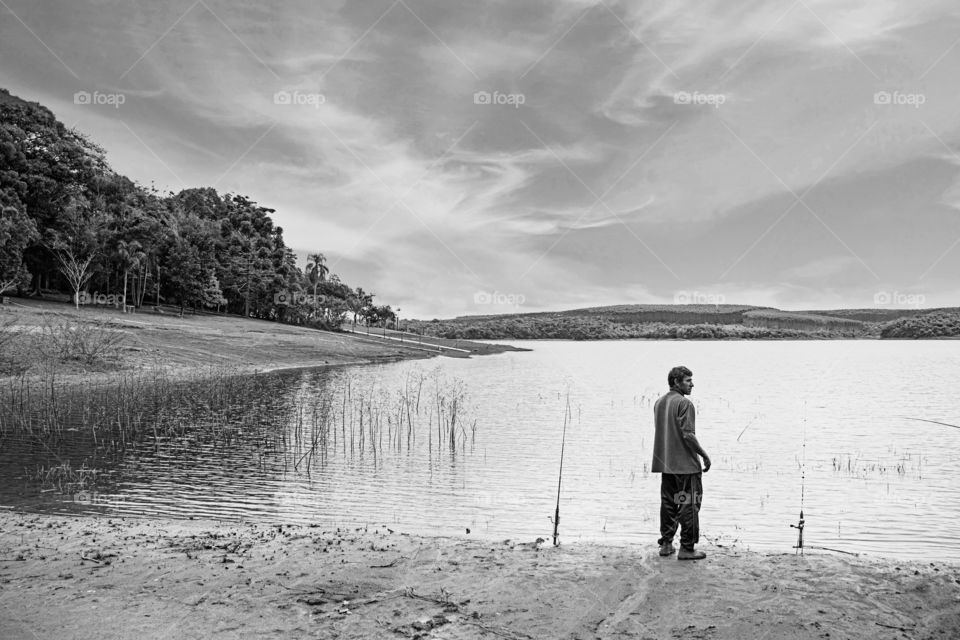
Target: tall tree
[[76, 243], [359, 302], [130, 255], [212, 295], [190, 260], [45, 164], [317, 271], [17, 232]]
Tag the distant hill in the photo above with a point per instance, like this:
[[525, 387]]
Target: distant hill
[[632, 313], [692, 321], [873, 315]]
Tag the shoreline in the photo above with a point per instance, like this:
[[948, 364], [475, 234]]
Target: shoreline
[[728, 339], [115, 577]]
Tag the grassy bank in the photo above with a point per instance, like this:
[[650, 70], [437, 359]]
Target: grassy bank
[[121, 578], [36, 336]]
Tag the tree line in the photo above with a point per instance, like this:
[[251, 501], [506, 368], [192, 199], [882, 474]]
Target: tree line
[[70, 223], [593, 327]]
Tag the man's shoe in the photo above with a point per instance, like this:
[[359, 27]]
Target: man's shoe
[[691, 555], [667, 549]]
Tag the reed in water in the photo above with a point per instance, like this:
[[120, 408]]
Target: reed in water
[[307, 423]]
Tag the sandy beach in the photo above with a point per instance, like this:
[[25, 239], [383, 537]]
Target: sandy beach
[[99, 577]]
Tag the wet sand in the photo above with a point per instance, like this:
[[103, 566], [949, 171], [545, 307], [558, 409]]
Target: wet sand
[[99, 577]]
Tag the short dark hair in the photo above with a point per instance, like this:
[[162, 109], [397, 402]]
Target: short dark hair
[[677, 374]]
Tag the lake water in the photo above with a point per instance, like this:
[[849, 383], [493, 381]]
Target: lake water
[[829, 418]]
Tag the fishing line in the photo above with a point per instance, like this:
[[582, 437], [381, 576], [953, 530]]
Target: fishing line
[[946, 424]]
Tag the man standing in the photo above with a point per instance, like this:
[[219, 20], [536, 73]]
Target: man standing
[[675, 451]]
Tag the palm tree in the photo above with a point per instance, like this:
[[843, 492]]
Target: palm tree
[[130, 255], [317, 271], [359, 301]]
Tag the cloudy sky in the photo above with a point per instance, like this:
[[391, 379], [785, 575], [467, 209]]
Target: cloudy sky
[[492, 156]]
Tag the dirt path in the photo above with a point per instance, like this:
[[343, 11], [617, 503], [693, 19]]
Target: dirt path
[[151, 579]]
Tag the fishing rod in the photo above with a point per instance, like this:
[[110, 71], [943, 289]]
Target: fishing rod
[[799, 526], [803, 473], [563, 444], [803, 477]]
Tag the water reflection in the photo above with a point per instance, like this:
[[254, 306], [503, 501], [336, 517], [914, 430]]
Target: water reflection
[[234, 447]]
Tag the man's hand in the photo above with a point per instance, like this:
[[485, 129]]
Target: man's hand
[[691, 440]]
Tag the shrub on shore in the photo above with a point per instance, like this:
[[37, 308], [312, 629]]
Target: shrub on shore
[[58, 341]]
